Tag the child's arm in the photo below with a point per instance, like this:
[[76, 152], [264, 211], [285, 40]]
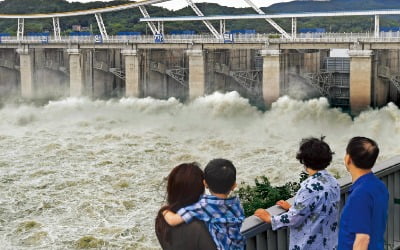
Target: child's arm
[[172, 218]]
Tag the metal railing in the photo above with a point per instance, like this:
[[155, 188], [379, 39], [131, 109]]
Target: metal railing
[[260, 236], [209, 38]]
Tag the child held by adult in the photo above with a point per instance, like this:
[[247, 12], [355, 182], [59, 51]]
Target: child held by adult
[[222, 214]]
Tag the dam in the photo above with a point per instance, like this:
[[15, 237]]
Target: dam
[[261, 67], [190, 67]]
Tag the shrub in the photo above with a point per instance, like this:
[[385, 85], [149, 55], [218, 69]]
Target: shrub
[[264, 195]]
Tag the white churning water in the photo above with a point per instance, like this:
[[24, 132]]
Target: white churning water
[[76, 168]]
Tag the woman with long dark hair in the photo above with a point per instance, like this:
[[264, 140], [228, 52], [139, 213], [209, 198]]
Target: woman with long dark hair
[[185, 186]]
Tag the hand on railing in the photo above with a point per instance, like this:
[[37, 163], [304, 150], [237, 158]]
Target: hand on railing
[[263, 215], [284, 204]]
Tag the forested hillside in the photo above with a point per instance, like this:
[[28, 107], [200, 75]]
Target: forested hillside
[[128, 20]]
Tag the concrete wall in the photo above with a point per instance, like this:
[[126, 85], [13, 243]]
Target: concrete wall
[[103, 79], [393, 62], [220, 64], [9, 74], [295, 65], [156, 83], [51, 80], [380, 89], [48, 73]]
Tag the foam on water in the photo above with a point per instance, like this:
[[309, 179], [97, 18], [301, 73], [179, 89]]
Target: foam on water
[[76, 168]]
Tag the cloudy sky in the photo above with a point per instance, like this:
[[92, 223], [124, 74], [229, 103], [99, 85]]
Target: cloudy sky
[[178, 4]]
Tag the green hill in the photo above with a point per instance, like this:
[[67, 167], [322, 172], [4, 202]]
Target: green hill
[[128, 20]]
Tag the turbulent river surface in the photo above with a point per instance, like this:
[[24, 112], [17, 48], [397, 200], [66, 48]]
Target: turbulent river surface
[[76, 171]]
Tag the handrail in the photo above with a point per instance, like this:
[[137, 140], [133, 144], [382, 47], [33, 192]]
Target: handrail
[[253, 226], [208, 38]]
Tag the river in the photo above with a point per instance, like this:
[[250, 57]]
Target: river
[[78, 168]]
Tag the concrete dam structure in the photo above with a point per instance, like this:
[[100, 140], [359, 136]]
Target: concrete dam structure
[[261, 67], [186, 71]]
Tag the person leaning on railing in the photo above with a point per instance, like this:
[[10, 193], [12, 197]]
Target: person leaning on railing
[[313, 218]]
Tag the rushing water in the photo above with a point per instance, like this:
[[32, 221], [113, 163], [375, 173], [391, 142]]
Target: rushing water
[[77, 168]]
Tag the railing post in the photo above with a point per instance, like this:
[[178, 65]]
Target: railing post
[[377, 26], [20, 31], [57, 29], [294, 27], [222, 27]]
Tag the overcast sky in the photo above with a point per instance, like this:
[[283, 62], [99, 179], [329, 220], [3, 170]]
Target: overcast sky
[[178, 4]]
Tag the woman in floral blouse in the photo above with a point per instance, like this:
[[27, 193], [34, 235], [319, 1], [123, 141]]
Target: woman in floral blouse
[[313, 218]]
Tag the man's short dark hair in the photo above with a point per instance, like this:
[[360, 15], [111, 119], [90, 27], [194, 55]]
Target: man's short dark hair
[[314, 153], [363, 152], [220, 175]]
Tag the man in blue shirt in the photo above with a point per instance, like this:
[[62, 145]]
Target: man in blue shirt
[[363, 220]]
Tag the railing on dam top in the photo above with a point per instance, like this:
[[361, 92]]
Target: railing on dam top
[[260, 236], [207, 38]]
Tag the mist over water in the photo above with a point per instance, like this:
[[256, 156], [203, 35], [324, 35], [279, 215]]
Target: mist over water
[[76, 167]]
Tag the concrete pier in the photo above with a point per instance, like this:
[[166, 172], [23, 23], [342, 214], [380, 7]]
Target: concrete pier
[[360, 80], [271, 85], [132, 73], [197, 78], [76, 84], [26, 71]]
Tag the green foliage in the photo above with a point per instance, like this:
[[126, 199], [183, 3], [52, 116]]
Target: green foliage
[[264, 195]]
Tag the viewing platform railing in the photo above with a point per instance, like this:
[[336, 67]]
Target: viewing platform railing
[[260, 236]]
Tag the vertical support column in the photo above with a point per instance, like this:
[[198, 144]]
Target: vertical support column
[[20, 31], [26, 71], [271, 86], [294, 27], [376, 33], [160, 27], [76, 84], [197, 78], [222, 27], [360, 79], [57, 29], [132, 73]]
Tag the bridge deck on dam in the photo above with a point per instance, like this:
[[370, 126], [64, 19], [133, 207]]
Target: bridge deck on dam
[[254, 41]]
